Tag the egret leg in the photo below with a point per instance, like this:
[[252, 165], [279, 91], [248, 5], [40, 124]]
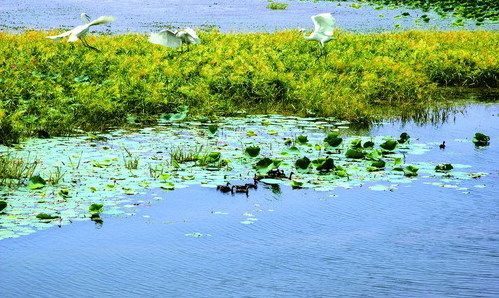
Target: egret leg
[[85, 43], [323, 53]]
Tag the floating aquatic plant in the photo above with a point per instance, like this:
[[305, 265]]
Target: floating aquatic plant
[[3, 205], [481, 139], [302, 163], [410, 171], [44, 216], [252, 151], [333, 139], [404, 138], [443, 167], [389, 145], [477, 11], [180, 154]]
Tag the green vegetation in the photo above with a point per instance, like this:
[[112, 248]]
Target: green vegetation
[[479, 11], [57, 88], [94, 181], [14, 169], [481, 139], [274, 5]]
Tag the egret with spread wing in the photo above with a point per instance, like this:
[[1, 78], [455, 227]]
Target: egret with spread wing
[[81, 31], [174, 39], [323, 31]]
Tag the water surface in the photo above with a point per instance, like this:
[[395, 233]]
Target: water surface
[[226, 15], [419, 240]]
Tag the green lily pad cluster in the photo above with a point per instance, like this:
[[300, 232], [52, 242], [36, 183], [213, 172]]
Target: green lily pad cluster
[[94, 180], [480, 11], [481, 139]]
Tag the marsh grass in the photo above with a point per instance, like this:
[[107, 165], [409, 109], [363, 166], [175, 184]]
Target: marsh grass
[[60, 87], [180, 154], [131, 162], [56, 175], [14, 170]]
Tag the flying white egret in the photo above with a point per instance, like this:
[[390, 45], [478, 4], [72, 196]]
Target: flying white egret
[[323, 31], [175, 39], [81, 31], [85, 18]]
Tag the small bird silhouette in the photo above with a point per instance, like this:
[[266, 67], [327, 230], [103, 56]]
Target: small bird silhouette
[[442, 146]]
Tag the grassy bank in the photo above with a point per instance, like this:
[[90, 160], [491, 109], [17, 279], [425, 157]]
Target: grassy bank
[[57, 87]]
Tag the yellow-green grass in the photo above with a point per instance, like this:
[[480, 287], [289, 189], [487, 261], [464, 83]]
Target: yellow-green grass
[[58, 87]]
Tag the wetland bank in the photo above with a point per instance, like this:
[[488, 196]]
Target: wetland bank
[[124, 150]]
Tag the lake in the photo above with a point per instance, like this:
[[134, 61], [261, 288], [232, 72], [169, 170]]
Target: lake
[[227, 16], [427, 237], [378, 234]]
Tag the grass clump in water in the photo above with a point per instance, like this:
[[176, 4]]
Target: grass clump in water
[[61, 87], [13, 170], [277, 6]]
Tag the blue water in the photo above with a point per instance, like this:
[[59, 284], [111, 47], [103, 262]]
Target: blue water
[[225, 15], [419, 240]]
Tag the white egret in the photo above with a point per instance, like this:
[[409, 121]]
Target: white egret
[[323, 31], [85, 18], [81, 31], [175, 39]]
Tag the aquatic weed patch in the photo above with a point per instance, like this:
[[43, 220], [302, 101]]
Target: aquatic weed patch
[[58, 88], [97, 181], [479, 11]]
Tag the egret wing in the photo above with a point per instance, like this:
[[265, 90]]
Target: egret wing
[[102, 20], [78, 32], [60, 36], [85, 18], [324, 23], [192, 36], [166, 38]]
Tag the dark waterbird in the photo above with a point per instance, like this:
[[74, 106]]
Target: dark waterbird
[[442, 146], [225, 188]]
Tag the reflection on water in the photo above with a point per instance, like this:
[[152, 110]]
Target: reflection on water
[[419, 240]]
